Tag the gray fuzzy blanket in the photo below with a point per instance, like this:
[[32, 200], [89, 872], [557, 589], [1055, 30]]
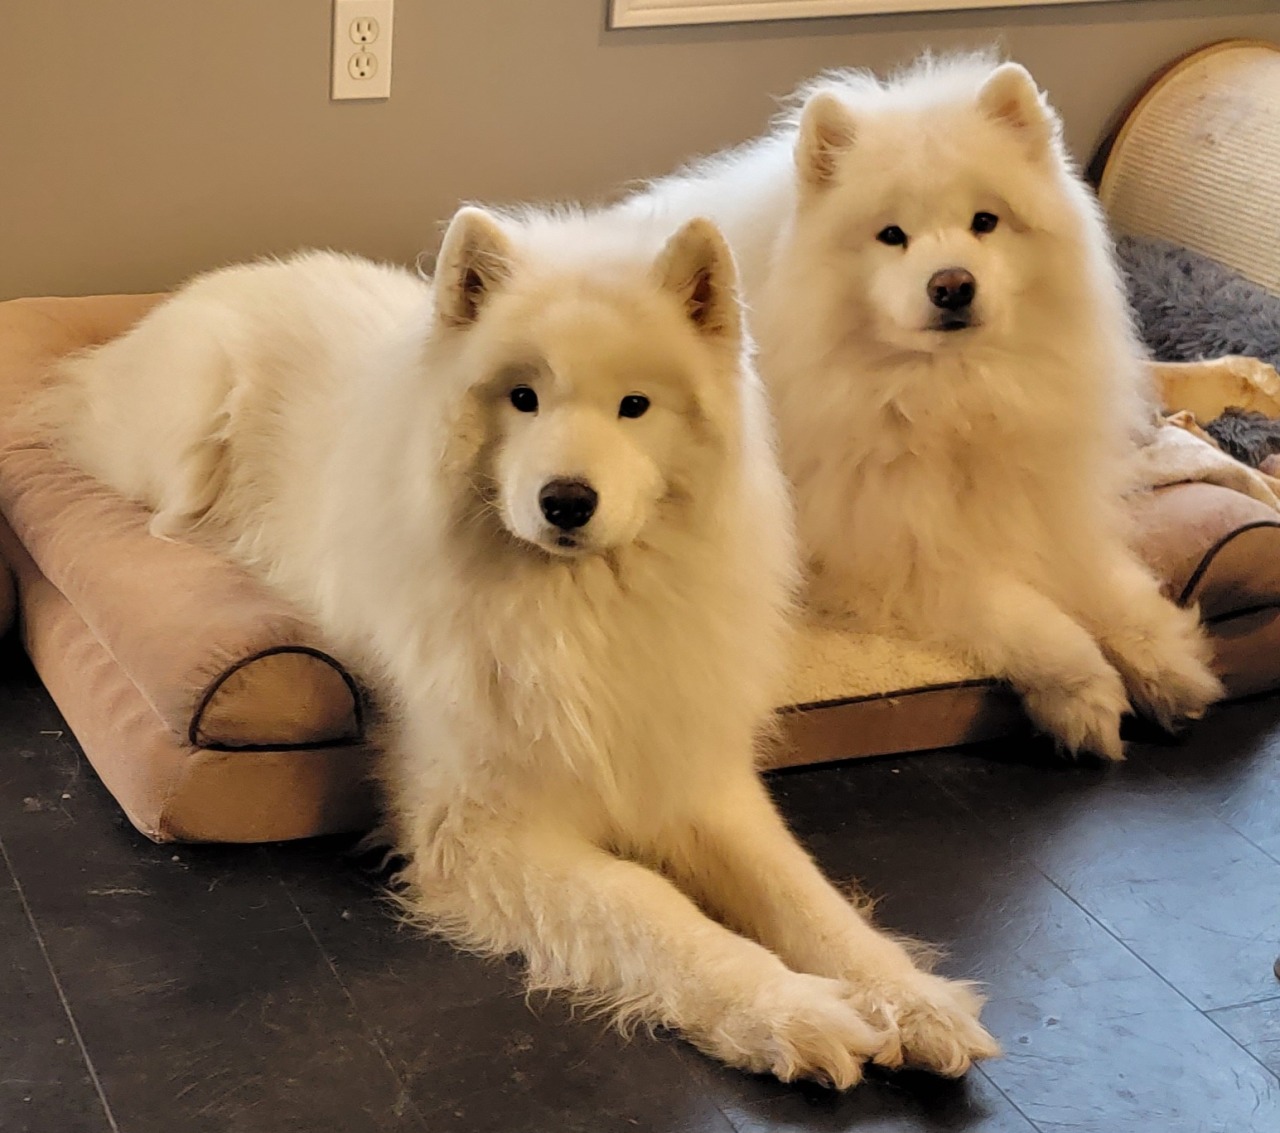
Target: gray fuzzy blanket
[[1190, 307]]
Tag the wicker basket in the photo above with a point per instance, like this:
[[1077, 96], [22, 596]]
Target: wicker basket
[[1197, 159]]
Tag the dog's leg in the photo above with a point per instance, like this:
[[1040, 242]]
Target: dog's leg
[[740, 861], [622, 937], [1067, 685], [1159, 648]]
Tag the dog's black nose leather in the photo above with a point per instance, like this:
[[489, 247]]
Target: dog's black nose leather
[[952, 288], [568, 503]]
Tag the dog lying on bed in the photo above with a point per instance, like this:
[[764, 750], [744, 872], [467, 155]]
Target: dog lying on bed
[[536, 501]]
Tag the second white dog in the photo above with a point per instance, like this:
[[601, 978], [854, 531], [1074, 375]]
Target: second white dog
[[958, 386]]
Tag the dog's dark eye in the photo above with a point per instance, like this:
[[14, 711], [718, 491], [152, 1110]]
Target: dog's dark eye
[[633, 405], [984, 222], [893, 236], [524, 399]]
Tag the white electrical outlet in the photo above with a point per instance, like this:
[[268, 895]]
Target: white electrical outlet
[[362, 48]]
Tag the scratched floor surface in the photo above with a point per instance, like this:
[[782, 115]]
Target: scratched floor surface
[[1125, 923]]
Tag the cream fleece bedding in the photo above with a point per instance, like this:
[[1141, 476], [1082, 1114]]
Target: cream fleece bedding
[[834, 665]]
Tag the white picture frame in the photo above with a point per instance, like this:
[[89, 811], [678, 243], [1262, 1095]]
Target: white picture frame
[[669, 13]]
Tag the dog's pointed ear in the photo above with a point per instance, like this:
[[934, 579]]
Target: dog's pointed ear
[[827, 130], [475, 258], [697, 267], [1011, 98]]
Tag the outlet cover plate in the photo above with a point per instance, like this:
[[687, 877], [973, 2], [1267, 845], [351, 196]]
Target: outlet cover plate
[[361, 63]]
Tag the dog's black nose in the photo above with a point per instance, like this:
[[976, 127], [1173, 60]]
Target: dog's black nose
[[952, 288], [568, 503]]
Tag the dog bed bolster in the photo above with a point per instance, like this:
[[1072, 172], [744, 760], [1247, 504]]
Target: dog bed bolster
[[220, 659]]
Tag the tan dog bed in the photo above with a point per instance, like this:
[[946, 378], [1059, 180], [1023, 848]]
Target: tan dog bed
[[212, 711]]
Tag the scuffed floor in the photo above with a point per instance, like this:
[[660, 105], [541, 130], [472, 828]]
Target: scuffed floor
[[1125, 922]]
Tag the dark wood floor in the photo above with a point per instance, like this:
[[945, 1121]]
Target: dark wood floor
[[1124, 921]]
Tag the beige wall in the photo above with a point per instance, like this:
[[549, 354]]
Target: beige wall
[[142, 140]]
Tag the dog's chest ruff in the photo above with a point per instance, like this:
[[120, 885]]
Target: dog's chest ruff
[[584, 668]]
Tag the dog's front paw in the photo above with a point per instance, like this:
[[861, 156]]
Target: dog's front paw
[[798, 1026], [1084, 715], [934, 1020], [1181, 689], [1167, 673]]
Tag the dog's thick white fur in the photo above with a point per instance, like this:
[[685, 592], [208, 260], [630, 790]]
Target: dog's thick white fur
[[574, 705], [959, 468]]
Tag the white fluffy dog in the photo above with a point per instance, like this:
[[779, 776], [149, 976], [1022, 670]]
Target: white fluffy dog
[[957, 383], [537, 501]]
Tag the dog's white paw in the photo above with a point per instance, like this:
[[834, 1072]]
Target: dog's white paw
[[798, 1026], [1180, 689], [1083, 715], [935, 1023], [1167, 674]]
